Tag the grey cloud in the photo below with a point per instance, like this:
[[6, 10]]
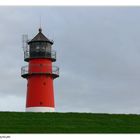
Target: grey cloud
[[97, 51]]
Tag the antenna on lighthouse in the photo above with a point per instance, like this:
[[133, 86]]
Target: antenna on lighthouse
[[40, 22], [25, 42]]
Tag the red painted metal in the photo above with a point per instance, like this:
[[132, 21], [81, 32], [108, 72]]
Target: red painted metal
[[40, 87]]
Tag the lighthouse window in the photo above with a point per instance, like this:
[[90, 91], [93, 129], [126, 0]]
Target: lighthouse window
[[48, 49], [37, 48], [48, 44], [42, 48], [44, 83], [41, 103]]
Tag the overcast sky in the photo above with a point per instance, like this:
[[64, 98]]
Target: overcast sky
[[98, 52]]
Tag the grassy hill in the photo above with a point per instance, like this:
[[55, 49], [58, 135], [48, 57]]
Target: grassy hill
[[20, 122]]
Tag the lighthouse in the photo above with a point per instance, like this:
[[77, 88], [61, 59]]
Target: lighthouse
[[40, 74]]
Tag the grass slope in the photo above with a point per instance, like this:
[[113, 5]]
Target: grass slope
[[20, 122]]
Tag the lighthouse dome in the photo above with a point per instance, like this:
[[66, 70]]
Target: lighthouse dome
[[40, 37]]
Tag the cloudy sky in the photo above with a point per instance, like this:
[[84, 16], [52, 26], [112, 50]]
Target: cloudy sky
[[98, 52]]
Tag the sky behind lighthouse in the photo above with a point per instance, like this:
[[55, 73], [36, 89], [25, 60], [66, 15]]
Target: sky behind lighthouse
[[98, 52]]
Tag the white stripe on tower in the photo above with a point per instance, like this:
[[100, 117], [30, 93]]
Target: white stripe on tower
[[40, 109]]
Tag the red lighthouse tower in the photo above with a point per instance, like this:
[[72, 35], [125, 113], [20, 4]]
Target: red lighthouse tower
[[40, 74]]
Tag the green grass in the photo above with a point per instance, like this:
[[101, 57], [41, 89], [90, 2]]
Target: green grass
[[20, 122]]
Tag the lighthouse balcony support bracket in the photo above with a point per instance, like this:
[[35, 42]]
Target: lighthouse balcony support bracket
[[40, 69], [51, 55]]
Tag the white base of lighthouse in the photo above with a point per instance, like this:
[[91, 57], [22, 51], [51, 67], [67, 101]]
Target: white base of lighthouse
[[40, 109]]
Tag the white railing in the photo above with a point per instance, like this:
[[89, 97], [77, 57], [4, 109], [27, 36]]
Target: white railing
[[24, 70], [39, 69]]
